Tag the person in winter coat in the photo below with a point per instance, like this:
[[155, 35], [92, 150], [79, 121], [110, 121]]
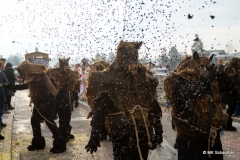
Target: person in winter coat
[[3, 60], [3, 82], [220, 65], [9, 73]]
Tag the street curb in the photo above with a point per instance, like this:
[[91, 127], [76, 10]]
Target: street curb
[[7, 142], [6, 152]]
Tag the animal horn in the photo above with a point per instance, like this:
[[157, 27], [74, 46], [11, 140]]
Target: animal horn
[[211, 57], [196, 56], [138, 45]]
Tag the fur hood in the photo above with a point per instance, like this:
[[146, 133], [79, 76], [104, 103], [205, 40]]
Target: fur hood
[[127, 82]]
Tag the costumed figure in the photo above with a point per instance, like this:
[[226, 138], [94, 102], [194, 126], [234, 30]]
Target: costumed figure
[[65, 81], [231, 96], [193, 90], [74, 95], [99, 65], [43, 96], [123, 97]]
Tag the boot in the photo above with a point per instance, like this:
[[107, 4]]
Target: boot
[[229, 125], [37, 143], [64, 134], [1, 137], [59, 145], [71, 136], [110, 137], [11, 108], [175, 145], [7, 112]]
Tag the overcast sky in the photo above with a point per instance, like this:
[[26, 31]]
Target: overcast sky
[[83, 28]]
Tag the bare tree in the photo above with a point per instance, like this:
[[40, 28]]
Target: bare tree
[[197, 45], [15, 59]]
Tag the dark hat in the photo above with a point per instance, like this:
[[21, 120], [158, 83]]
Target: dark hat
[[9, 64]]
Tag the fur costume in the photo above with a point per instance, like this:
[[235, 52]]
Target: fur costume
[[59, 145], [98, 65], [42, 93], [64, 76], [188, 71], [231, 97], [126, 81], [65, 81], [26, 67], [125, 94], [37, 143], [31, 74], [74, 95], [232, 68]]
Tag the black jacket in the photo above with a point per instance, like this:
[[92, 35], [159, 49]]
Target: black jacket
[[9, 72], [3, 81]]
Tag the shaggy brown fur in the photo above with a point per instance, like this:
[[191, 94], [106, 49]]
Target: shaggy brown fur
[[127, 54], [127, 82], [26, 68], [98, 65], [32, 72], [64, 74], [63, 64], [189, 70], [232, 68]]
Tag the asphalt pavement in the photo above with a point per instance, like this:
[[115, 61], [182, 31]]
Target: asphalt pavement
[[18, 135]]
